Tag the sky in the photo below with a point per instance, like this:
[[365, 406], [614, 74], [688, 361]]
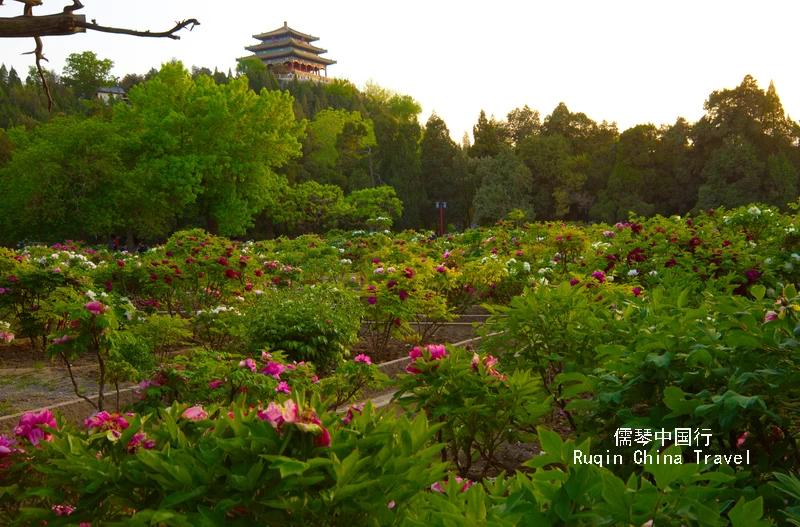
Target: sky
[[626, 61]]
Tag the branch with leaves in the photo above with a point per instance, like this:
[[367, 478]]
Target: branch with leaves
[[68, 23]]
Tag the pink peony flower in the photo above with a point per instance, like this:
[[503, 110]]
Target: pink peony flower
[[600, 276], [30, 425], [637, 291], [363, 358], [283, 386], [574, 282], [740, 441], [273, 369], [770, 316], [408, 272], [195, 413], [440, 487], [5, 446], [215, 384], [437, 352], [372, 300], [347, 419], [248, 363], [403, 295], [96, 307], [6, 336]]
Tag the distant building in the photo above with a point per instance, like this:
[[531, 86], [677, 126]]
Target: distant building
[[291, 56], [107, 94]]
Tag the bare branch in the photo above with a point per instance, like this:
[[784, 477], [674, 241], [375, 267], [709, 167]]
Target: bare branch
[[76, 4], [191, 23], [39, 58]]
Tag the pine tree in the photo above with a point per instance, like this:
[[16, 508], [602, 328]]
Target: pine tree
[[13, 78], [3, 77]]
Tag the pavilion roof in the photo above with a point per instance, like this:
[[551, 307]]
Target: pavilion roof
[[262, 46], [286, 30], [296, 53]]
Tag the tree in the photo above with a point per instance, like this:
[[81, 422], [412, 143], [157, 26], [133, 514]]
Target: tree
[[522, 123], [85, 73], [13, 78], [398, 165], [57, 183], [506, 185], [310, 207], [437, 155], [130, 80], [371, 203], [220, 143], [488, 137], [338, 141], [732, 176]]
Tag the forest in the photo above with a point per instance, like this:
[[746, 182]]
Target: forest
[[240, 155]]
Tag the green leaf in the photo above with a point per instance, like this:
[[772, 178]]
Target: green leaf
[[746, 514], [758, 291], [287, 466]]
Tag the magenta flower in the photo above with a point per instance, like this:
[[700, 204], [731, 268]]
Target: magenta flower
[[574, 282], [30, 425], [111, 424], [752, 276], [13, 279], [5, 446], [600, 276], [391, 283], [120, 263], [195, 413], [215, 384], [441, 487], [408, 272], [307, 420], [637, 291], [96, 307], [609, 234], [140, 440], [371, 300], [273, 369], [63, 510], [740, 441], [436, 351], [403, 295], [363, 358], [347, 419], [770, 316], [6, 336], [283, 386], [248, 363]]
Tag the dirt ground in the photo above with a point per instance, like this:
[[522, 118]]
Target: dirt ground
[[29, 379]]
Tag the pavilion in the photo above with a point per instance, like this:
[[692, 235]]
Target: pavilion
[[293, 53]]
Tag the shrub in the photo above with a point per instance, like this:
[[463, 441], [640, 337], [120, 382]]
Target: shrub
[[314, 324]]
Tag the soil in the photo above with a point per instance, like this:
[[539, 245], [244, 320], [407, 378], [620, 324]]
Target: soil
[[29, 379]]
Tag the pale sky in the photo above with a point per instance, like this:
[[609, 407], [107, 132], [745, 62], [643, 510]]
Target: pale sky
[[626, 61]]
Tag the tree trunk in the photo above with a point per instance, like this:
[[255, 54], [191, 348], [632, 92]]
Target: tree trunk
[[130, 242], [212, 225], [101, 384], [41, 26]]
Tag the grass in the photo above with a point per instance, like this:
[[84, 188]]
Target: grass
[[7, 409]]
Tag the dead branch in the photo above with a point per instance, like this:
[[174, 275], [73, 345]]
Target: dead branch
[[39, 58], [68, 23], [191, 23]]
